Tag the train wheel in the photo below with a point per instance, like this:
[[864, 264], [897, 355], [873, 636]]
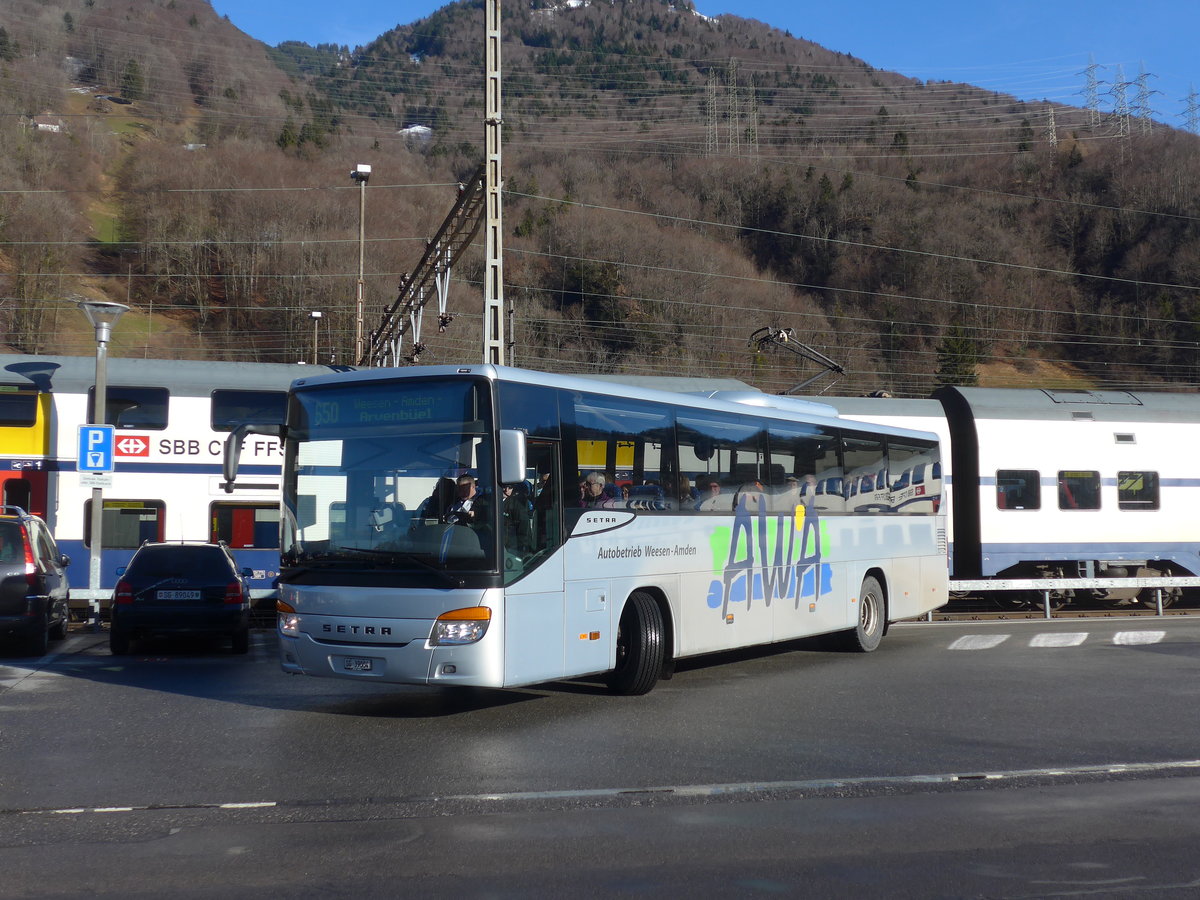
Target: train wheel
[[1037, 600], [641, 647], [1170, 596], [872, 617]]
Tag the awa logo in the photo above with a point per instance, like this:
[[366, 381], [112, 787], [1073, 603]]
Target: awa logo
[[133, 445]]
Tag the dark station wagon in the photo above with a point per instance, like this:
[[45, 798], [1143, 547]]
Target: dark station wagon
[[181, 588]]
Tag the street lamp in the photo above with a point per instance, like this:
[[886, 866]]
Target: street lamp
[[316, 317], [103, 317], [360, 175]]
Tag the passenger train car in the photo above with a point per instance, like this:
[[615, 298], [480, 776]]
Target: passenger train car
[[171, 419], [1062, 483]]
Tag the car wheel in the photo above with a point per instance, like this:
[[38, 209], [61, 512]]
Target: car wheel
[[241, 641], [58, 631], [118, 642]]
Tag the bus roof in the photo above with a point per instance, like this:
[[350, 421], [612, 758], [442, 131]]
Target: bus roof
[[742, 401]]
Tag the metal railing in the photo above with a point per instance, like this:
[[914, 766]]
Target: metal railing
[[1046, 586]]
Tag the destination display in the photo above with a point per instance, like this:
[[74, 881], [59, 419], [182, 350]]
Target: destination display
[[387, 405]]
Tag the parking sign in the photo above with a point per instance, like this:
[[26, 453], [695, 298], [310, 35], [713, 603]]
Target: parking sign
[[95, 448]]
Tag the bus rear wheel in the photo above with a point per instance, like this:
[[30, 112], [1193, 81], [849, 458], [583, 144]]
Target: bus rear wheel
[[641, 646], [872, 617]]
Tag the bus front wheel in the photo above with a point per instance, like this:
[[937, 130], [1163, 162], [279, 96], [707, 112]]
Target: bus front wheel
[[872, 616], [641, 646]]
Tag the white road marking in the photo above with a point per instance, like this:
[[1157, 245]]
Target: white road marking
[[1059, 639], [1131, 638], [979, 641]]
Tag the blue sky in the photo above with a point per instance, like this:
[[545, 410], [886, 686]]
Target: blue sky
[[1033, 49]]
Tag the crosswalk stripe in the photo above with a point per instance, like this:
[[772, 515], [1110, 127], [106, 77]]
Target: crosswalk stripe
[[979, 641], [1130, 638], [1057, 639]]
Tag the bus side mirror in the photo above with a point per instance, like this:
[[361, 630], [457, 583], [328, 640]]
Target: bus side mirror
[[512, 456], [233, 448]]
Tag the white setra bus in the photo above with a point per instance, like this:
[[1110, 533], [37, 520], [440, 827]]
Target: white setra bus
[[491, 526]]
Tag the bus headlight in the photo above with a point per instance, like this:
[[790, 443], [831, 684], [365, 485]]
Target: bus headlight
[[289, 621], [461, 626]]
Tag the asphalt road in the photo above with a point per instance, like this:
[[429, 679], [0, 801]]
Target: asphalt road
[[1000, 759]]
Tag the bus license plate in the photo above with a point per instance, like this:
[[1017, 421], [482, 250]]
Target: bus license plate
[[358, 664], [178, 595]]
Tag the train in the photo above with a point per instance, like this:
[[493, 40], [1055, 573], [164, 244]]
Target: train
[[1061, 484], [170, 418]]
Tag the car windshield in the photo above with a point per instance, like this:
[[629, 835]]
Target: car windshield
[[393, 476], [190, 562]]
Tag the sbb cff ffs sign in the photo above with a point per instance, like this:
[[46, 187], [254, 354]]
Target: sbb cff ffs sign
[[133, 445]]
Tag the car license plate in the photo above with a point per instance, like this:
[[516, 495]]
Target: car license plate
[[178, 595], [358, 664]]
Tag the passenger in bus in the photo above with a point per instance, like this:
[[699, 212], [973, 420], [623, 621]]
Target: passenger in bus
[[808, 493], [468, 507], [686, 494], [788, 498], [518, 519], [595, 491], [711, 497]]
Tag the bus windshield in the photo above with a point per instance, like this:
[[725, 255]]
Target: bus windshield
[[392, 476]]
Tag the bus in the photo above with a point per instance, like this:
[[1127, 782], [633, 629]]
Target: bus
[[490, 526]]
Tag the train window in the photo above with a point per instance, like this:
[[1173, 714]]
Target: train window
[[132, 407], [126, 524], [18, 406], [1078, 490], [231, 408], [1137, 490], [243, 525], [1017, 489]]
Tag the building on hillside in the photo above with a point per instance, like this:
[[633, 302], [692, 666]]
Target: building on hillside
[[49, 122]]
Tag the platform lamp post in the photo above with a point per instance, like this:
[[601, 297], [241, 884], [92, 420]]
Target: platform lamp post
[[360, 176], [103, 317]]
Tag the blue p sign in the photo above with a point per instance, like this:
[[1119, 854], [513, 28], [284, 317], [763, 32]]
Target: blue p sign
[[95, 448]]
